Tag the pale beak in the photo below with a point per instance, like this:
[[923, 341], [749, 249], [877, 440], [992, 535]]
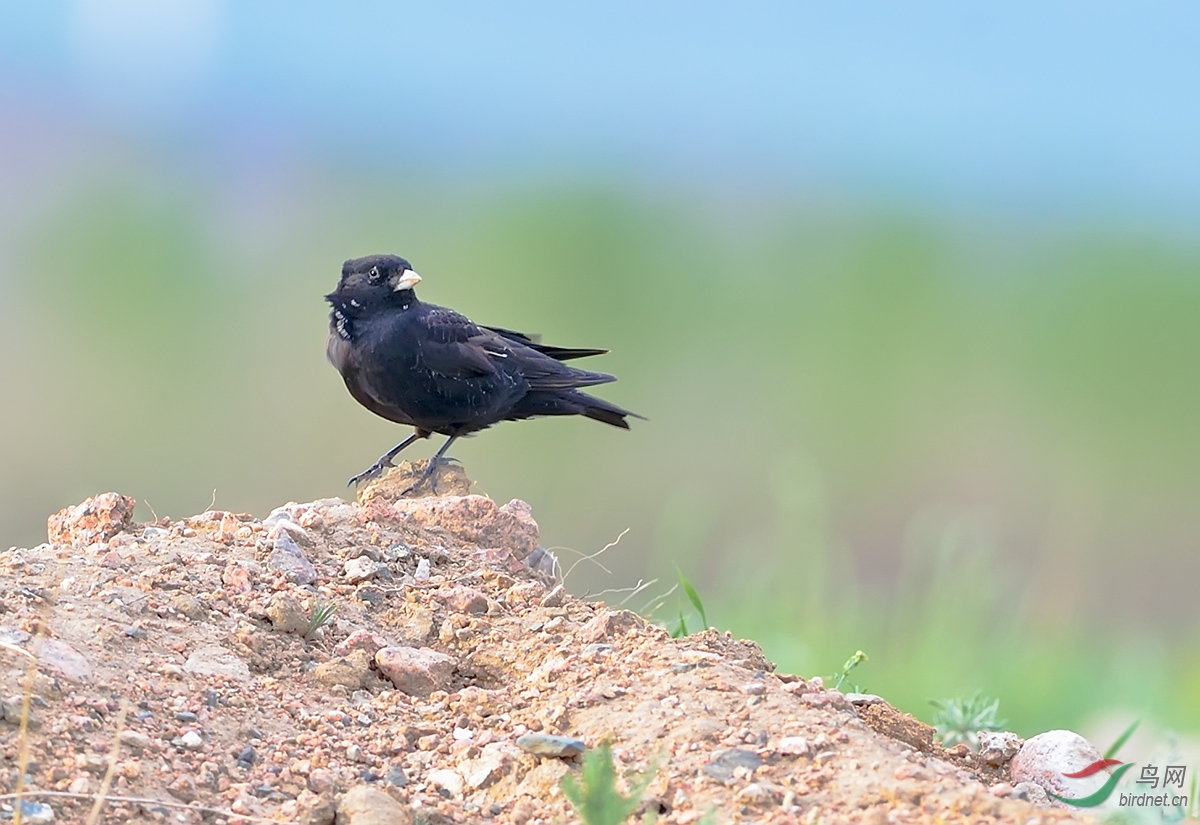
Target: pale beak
[[408, 279]]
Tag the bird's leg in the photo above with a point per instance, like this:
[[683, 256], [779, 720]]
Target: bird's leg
[[431, 466], [385, 460]]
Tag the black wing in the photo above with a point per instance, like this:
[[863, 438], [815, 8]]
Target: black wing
[[457, 347], [534, 341]]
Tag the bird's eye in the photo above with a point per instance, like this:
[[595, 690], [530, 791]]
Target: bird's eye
[[374, 276]]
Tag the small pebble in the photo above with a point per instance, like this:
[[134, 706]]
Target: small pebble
[[422, 573], [14, 635], [793, 746], [449, 780], [545, 744], [396, 776], [36, 812], [397, 552], [359, 570], [725, 763]]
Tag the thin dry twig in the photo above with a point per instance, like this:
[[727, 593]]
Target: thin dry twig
[[16, 649], [27, 696], [647, 610], [113, 751], [593, 556]]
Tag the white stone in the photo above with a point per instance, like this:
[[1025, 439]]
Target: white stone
[[1045, 758], [451, 780], [793, 746]]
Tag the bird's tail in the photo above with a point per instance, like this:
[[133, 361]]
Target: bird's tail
[[573, 402]]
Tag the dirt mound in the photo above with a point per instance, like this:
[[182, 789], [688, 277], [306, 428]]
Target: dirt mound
[[226, 668]]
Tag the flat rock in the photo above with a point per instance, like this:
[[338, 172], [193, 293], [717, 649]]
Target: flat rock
[[352, 671], [476, 520], [214, 660], [723, 765], [417, 671], [546, 744], [366, 805], [65, 659]]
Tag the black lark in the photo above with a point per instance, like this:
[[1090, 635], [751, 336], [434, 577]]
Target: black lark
[[437, 371]]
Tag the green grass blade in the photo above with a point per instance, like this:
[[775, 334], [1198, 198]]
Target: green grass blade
[[1122, 739], [693, 597], [680, 629]]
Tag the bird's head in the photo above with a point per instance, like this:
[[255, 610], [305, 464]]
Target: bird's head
[[375, 279]]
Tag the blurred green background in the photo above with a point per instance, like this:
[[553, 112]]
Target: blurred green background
[[941, 406]]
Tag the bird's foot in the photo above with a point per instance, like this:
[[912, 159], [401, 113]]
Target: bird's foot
[[374, 471], [426, 475]]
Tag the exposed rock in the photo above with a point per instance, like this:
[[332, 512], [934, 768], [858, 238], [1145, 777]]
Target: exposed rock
[[1045, 758], [416, 671], [359, 570], [214, 660], [544, 744], [361, 640], [449, 780], [352, 671], [793, 746], [316, 809], [465, 600], [287, 558], [1035, 793], [418, 627], [495, 760], [998, 747], [449, 479], [476, 520], [610, 623], [136, 740], [64, 659], [725, 764], [239, 576], [189, 605], [365, 805], [99, 518], [286, 614]]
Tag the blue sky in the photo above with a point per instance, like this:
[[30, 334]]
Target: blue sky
[[1029, 101]]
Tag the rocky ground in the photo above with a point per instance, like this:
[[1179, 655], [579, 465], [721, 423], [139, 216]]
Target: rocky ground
[[181, 672]]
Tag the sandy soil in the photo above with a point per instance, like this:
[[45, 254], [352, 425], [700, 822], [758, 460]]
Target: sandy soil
[[178, 659]]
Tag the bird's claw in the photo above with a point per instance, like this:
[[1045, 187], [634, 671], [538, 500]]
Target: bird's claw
[[427, 475], [374, 471]]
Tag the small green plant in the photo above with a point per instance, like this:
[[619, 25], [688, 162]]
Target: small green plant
[[681, 629], [595, 796], [854, 661], [960, 720], [321, 615]]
